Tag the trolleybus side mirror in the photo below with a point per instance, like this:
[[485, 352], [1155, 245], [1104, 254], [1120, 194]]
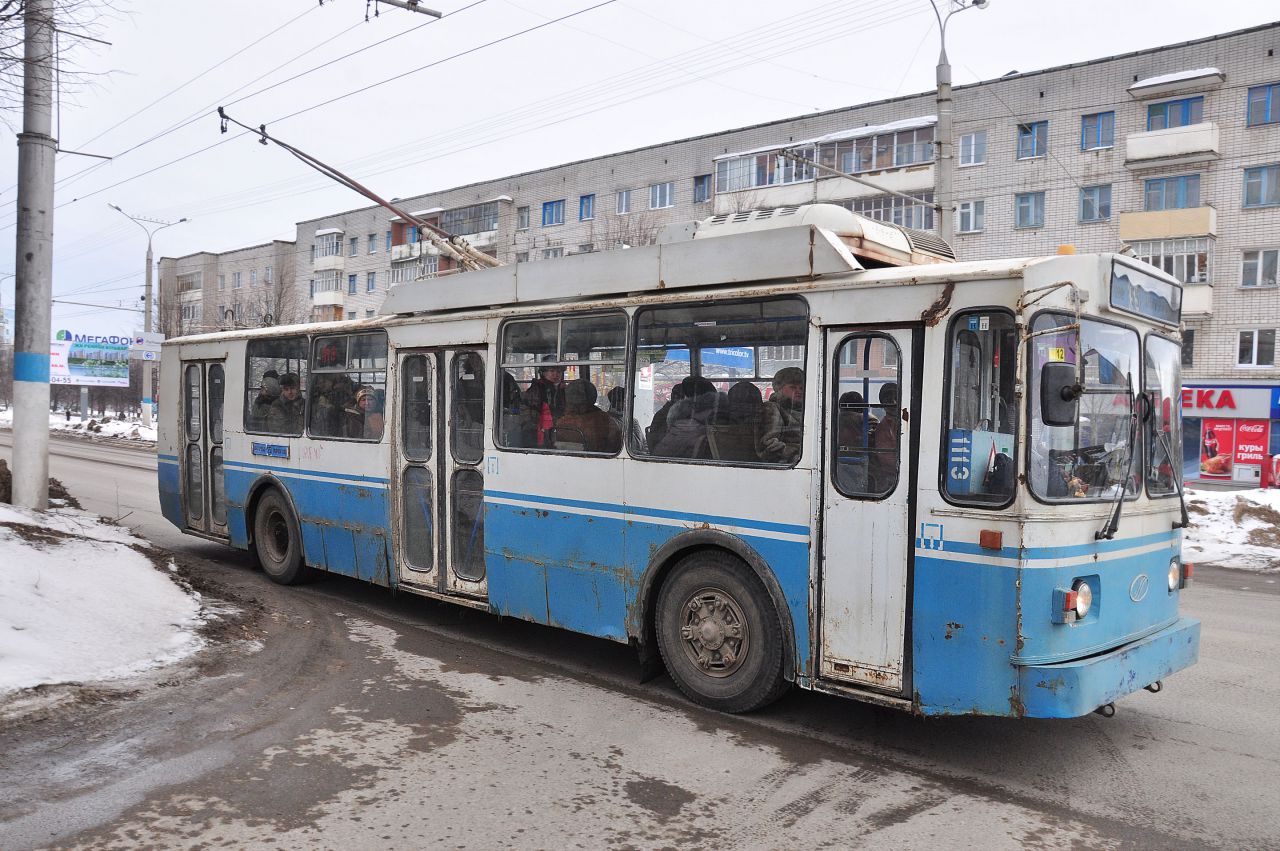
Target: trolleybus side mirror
[[1059, 394]]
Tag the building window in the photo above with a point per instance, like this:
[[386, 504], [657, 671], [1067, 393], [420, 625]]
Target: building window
[[586, 208], [368, 314], [329, 245], [1260, 268], [553, 213], [353, 246], [1029, 210], [586, 247], [312, 282], [1097, 131], [1264, 104], [973, 148], [1262, 186], [1095, 203], [872, 153], [253, 278], [412, 270], [1033, 140], [388, 240], [758, 170], [266, 275], [326, 282], [237, 280], [412, 234], [701, 188], [351, 314], [552, 253], [1174, 193], [969, 216], [370, 281], [1257, 348], [522, 218], [1175, 113], [222, 282], [522, 257], [662, 195], [624, 202], [1185, 259], [351, 284], [1188, 348], [895, 209], [373, 243], [476, 218]]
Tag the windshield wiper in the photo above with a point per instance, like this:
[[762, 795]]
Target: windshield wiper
[[1108, 531], [1177, 480]]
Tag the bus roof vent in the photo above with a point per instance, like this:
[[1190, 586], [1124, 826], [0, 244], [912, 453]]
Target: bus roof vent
[[874, 243]]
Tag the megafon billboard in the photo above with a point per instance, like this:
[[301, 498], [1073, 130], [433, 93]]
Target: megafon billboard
[[89, 360]]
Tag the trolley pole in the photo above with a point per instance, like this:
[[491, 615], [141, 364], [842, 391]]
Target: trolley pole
[[33, 284], [946, 114], [148, 373]]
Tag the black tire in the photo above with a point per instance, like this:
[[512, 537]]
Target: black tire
[[277, 541], [719, 633]]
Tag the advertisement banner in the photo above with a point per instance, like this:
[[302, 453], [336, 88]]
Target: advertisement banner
[[1217, 443], [89, 360], [1252, 438]]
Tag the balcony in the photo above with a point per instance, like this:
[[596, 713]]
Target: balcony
[[330, 262], [327, 297], [1197, 300], [1168, 224], [1194, 143]]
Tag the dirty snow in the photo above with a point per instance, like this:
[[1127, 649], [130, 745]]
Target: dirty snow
[[1239, 529], [87, 608], [122, 429]]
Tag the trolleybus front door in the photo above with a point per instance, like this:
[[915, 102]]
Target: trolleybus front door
[[203, 492], [440, 484], [868, 491]]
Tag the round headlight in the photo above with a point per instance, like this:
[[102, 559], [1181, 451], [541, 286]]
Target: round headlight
[[1175, 575], [1084, 598]]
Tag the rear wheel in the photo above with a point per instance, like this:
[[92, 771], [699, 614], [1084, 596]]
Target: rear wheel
[[719, 634], [277, 541]]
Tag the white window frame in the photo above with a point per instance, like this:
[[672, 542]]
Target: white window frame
[[1017, 203], [623, 204], [237, 280], [328, 245], [522, 218], [970, 142], [222, 282], [266, 275], [1256, 334], [1097, 204], [1189, 259], [553, 252], [1259, 264], [662, 195], [976, 211], [373, 243]]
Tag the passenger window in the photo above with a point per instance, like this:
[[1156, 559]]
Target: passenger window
[[275, 376], [868, 416], [558, 379], [348, 386], [721, 382], [978, 461]]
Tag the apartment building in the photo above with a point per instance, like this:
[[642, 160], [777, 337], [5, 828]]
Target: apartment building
[[252, 286], [1172, 154]]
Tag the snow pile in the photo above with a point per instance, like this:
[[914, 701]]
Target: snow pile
[[117, 428], [1238, 529], [79, 604]]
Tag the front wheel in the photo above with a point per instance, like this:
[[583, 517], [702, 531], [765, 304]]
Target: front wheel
[[277, 541], [720, 635]]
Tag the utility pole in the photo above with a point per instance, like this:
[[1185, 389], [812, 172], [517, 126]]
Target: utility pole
[[148, 378], [33, 284], [946, 158]]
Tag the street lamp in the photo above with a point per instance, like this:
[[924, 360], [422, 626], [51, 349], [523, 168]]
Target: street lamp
[[946, 163], [147, 377]]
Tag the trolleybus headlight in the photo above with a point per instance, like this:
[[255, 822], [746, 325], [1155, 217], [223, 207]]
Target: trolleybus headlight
[[1175, 575], [1084, 598]]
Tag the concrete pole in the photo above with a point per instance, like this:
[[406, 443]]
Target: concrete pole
[[946, 161], [33, 302], [148, 376]]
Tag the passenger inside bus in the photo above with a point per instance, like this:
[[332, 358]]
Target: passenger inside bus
[[687, 421], [267, 394], [286, 411], [543, 404], [617, 397], [364, 420], [658, 427], [784, 417], [584, 426], [884, 460], [735, 436]]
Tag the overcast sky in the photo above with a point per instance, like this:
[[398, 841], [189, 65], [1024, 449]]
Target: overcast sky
[[618, 75]]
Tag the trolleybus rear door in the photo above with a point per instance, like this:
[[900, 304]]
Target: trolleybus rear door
[[868, 491], [203, 484], [440, 489]]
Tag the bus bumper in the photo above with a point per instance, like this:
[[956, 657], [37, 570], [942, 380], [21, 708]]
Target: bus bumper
[[1070, 689]]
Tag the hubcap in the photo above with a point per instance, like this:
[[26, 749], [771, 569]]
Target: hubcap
[[277, 536], [715, 633]]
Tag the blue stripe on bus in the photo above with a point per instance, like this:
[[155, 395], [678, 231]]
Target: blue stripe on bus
[[642, 511], [289, 471], [1049, 553], [171, 458]]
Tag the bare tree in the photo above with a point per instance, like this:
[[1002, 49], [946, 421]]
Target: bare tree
[[629, 231], [79, 23]]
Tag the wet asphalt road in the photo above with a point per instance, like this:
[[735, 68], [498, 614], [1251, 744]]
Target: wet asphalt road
[[337, 715]]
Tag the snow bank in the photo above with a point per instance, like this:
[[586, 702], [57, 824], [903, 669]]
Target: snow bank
[[1238, 529], [123, 429], [86, 608]]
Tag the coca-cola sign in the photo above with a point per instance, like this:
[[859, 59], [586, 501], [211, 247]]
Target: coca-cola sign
[[1252, 439]]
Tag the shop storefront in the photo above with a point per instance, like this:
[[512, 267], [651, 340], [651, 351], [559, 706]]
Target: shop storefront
[[1229, 431]]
